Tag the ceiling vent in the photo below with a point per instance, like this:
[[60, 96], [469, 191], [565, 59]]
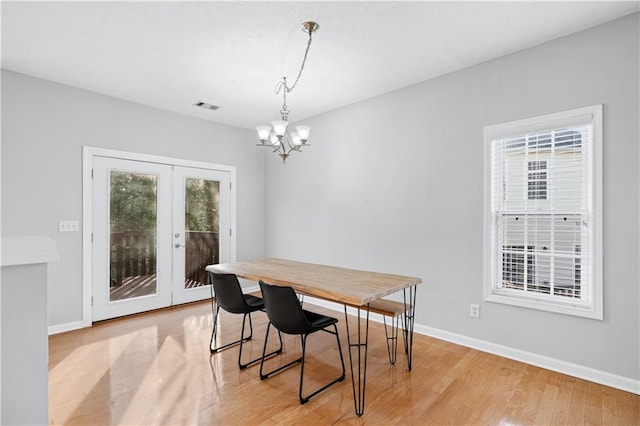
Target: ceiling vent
[[206, 106]]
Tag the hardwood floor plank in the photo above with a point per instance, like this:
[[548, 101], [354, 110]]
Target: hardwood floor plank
[[560, 414], [609, 407], [578, 404], [594, 404], [500, 385], [545, 409], [626, 415], [636, 408], [156, 368], [532, 400]]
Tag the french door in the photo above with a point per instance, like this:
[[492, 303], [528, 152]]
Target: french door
[[155, 228], [201, 230]]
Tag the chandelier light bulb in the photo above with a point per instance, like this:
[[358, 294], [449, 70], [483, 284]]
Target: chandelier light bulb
[[295, 138], [303, 132], [263, 133], [279, 127]]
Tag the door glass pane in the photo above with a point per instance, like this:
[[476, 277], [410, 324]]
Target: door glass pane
[[202, 226], [133, 212]]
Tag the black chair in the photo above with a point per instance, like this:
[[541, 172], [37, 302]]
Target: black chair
[[228, 296], [286, 314]]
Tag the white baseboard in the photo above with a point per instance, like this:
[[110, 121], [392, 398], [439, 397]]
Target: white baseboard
[[564, 367], [69, 326]]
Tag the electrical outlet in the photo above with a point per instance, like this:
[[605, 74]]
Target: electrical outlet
[[474, 311]]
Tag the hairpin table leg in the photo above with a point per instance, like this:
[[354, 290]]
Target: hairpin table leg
[[358, 355], [408, 320]]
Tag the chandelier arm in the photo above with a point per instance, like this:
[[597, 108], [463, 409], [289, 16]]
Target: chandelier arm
[[288, 139], [293, 148]]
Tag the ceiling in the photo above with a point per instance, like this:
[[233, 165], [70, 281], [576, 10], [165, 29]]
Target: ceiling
[[170, 55]]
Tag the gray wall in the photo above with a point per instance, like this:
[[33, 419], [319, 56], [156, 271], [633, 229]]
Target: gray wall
[[45, 125], [395, 184]]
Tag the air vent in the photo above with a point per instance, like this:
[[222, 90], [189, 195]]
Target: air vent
[[206, 106]]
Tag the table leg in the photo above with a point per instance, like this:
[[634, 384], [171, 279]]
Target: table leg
[[360, 346], [392, 337], [408, 321]]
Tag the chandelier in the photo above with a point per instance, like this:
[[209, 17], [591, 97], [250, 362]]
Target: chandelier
[[277, 136]]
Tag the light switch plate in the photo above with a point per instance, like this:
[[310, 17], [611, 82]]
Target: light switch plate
[[68, 226]]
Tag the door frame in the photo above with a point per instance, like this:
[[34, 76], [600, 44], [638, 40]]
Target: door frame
[[88, 154]]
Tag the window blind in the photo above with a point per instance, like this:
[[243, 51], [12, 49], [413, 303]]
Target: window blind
[[542, 207]]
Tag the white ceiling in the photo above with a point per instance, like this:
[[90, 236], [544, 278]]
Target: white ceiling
[[170, 55]]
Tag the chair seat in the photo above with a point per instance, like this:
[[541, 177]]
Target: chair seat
[[318, 321], [254, 302]]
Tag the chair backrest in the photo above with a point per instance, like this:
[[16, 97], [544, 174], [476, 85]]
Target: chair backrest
[[228, 293], [284, 310]]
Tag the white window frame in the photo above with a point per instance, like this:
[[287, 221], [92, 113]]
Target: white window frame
[[593, 306]]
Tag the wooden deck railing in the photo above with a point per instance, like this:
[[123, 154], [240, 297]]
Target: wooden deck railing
[[133, 253], [202, 249]]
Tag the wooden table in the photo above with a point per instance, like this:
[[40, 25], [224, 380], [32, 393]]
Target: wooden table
[[346, 286]]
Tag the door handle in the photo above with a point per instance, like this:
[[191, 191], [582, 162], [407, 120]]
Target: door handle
[[178, 245]]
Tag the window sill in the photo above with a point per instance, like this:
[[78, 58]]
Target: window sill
[[543, 305]]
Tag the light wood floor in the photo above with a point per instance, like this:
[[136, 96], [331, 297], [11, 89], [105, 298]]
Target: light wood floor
[[155, 369]]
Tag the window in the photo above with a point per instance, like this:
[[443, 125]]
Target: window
[[537, 180], [543, 212]]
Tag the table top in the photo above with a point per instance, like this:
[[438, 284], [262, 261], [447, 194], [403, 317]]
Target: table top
[[342, 285]]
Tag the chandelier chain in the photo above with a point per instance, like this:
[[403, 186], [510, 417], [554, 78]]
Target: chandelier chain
[[304, 60], [283, 83]]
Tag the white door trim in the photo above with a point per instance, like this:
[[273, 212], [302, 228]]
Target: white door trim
[[88, 154]]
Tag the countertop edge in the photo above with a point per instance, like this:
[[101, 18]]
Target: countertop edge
[[27, 250]]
